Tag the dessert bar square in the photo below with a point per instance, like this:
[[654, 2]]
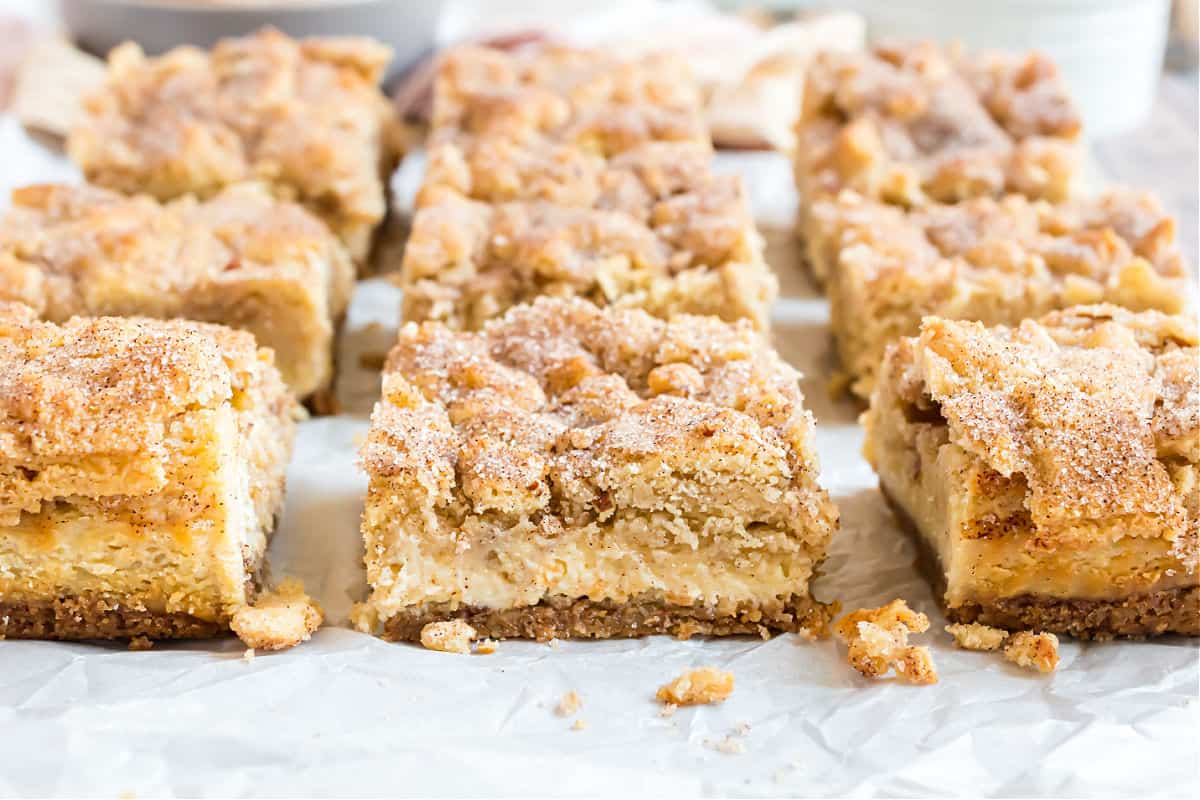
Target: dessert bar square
[[914, 124], [587, 472], [1049, 471], [306, 116], [241, 258], [141, 472], [652, 228], [565, 94], [995, 261]]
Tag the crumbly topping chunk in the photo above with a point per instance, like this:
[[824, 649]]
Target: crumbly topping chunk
[[703, 686], [1033, 650], [280, 619], [1079, 404], [450, 636], [68, 250], [569, 704], [973, 636], [306, 115], [565, 411], [877, 639], [916, 123]]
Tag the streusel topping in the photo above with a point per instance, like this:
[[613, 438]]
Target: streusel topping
[[306, 115], [67, 250], [1079, 404]]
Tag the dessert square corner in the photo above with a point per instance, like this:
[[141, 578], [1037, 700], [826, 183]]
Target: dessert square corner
[[571, 471], [141, 471], [1048, 472]]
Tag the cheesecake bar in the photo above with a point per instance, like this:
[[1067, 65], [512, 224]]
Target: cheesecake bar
[[914, 124], [1048, 471], [305, 116], [141, 471], [565, 94], [997, 261], [572, 471], [652, 229], [241, 258]]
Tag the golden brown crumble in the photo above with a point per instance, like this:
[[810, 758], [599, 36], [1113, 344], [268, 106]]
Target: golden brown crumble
[[569, 704], [1080, 404], [306, 116], [1033, 650], [973, 636], [453, 636], [877, 639], [915, 123], [486, 647], [994, 261], [703, 686], [546, 428], [241, 258], [279, 619]]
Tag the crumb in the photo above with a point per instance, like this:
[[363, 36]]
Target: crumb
[[279, 619], [569, 704], [728, 745], [742, 729], [140, 643], [578, 725], [877, 641], [450, 636], [1033, 650], [248, 656], [764, 633], [485, 647], [973, 636], [553, 644], [697, 687], [668, 710], [364, 618], [807, 634]]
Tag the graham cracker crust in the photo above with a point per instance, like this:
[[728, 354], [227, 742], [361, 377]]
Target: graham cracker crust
[[567, 617], [1137, 616], [71, 618]]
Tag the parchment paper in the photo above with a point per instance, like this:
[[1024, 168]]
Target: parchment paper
[[349, 715]]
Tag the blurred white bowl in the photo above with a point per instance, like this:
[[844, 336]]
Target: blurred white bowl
[[1110, 51], [408, 26]]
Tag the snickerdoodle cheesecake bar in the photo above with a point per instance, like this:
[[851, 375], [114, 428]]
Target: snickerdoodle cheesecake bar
[[1049, 470], [652, 229], [997, 261], [918, 123], [141, 471], [306, 116], [572, 471], [241, 258]]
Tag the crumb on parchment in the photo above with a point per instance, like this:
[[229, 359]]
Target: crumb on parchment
[[702, 686], [569, 704], [140, 643], [973, 636], [1033, 650], [279, 619], [449, 636], [579, 725], [877, 642], [485, 647], [728, 745]]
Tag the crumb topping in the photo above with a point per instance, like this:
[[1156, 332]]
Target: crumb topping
[[877, 641], [307, 116], [703, 686], [279, 619], [1079, 404], [451, 636], [1033, 650], [973, 636], [916, 123]]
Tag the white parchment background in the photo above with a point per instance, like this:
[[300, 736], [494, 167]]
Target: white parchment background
[[349, 715]]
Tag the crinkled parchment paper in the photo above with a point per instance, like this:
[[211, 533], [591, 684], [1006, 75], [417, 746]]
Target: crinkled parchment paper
[[349, 715]]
